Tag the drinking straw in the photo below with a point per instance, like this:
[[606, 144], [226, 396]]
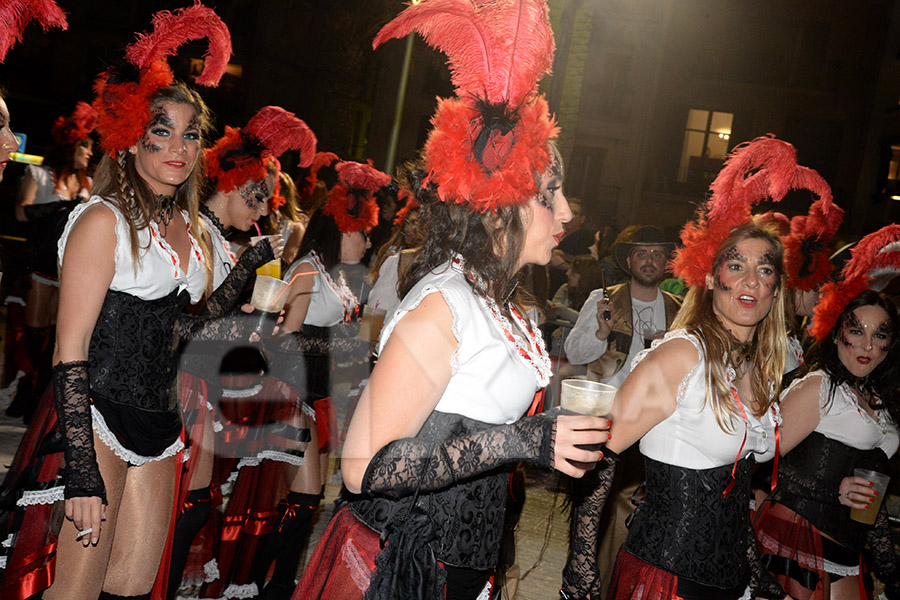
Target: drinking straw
[[258, 232], [294, 278]]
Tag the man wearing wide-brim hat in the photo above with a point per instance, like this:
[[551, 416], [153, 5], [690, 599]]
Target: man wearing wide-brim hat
[[611, 330]]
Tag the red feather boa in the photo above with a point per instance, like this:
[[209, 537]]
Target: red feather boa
[[460, 178], [864, 257]]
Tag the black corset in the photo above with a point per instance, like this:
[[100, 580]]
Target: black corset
[[133, 354], [808, 480], [467, 516], [686, 527]]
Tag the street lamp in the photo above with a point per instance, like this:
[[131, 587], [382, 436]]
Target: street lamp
[[398, 107]]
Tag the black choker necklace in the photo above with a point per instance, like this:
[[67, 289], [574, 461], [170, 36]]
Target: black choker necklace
[[209, 214], [165, 206]]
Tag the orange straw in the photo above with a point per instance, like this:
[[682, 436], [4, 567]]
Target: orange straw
[[293, 279]]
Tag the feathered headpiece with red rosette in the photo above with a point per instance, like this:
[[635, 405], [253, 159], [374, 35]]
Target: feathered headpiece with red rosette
[[321, 169], [806, 248], [16, 14], [754, 171], [351, 201], [489, 143], [877, 251], [243, 155], [123, 92], [76, 127]]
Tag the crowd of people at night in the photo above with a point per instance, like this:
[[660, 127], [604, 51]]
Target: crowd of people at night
[[205, 336]]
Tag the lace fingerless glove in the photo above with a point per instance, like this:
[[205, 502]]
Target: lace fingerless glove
[[762, 583], [403, 466], [71, 392], [581, 578], [225, 297], [884, 559]]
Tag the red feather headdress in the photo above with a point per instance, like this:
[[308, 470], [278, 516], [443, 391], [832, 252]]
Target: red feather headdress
[[123, 92], [76, 127], [776, 221], [16, 14], [875, 251], [763, 168], [242, 155], [351, 201], [806, 250], [306, 184], [489, 142], [411, 203]]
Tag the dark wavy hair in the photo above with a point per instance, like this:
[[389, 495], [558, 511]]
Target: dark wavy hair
[[884, 381], [323, 236], [488, 242]]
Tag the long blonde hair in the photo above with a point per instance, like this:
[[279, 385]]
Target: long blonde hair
[[768, 346], [118, 181]]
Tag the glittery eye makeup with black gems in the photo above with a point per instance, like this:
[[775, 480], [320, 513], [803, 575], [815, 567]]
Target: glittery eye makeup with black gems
[[255, 193]]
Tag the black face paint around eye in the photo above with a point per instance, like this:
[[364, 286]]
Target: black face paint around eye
[[255, 193], [721, 284], [160, 118], [148, 145], [733, 254]]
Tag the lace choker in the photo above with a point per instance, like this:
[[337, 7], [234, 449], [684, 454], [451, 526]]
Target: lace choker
[[165, 207], [209, 214]]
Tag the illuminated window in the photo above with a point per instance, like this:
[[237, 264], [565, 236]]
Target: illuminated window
[[706, 139]]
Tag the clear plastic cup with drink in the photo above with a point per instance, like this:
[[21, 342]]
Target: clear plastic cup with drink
[[269, 295], [273, 267], [879, 484], [371, 322], [585, 397]]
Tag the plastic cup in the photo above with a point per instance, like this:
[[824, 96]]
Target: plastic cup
[[587, 397], [271, 268], [371, 323], [879, 484], [269, 295]]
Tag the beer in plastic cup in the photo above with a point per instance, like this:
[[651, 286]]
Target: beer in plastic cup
[[587, 397], [269, 296], [879, 484], [371, 323]]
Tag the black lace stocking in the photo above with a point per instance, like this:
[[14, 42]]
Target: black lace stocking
[[884, 559], [71, 392], [581, 578], [225, 297], [407, 465], [762, 583]]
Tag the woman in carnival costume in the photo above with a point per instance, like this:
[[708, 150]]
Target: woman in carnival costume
[[131, 259], [441, 423], [702, 403], [243, 173], [842, 415], [48, 194]]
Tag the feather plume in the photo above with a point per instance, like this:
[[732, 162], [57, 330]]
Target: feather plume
[[280, 131], [16, 14], [806, 246], [171, 29], [498, 50], [76, 127], [351, 201], [763, 168], [876, 251]]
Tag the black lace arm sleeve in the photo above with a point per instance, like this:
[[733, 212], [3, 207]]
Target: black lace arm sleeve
[[232, 328], [35, 212], [403, 466], [581, 578], [225, 297], [762, 583], [342, 340], [884, 558], [71, 393]]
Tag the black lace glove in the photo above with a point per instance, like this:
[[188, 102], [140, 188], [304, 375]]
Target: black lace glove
[[884, 559], [403, 466], [762, 583], [581, 577], [225, 297], [341, 339], [71, 392], [36, 212], [236, 327]]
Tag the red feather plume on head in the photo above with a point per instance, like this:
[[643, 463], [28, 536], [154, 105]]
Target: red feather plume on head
[[806, 262], [763, 168], [872, 252], [351, 202], [244, 155], [306, 185], [488, 144], [16, 14], [411, 204], [123, 99], [76, 127]]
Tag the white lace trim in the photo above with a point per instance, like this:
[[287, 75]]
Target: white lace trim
[[7, 543], [108, 438], [242, 392], [2, 562], [211, 571], [485, 592], [50, 496], [692, 374], [186, 456], [354, 562], [796, 348], [747, 594], [810, 561], [284, 457], [14, 300], [248, 590], [308, 410]]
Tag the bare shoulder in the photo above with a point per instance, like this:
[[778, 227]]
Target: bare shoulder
[[676, 357], [95, 226], [806, 389]]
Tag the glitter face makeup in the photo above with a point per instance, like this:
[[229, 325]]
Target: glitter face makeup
[[248, 203], [864, 339], [744, 284]]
